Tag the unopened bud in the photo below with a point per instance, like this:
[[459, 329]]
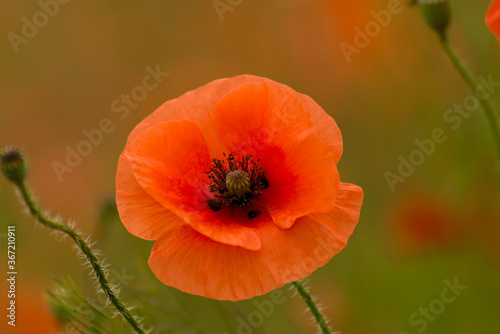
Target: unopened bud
[[437, 14], [13, 164]]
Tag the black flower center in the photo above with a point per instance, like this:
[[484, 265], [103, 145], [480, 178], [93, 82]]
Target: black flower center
[[237, 183]]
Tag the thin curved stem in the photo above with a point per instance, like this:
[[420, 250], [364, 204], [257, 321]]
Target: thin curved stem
[[85, 248], [474, 85], [312, 306]]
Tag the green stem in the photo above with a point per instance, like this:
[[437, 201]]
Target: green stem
[[474, 85], [312, 306], [84, 247]]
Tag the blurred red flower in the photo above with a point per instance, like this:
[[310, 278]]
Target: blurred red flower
[[424, 222], [493, 17], [237, 182]]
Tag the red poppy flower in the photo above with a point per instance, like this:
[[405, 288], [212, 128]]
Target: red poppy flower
[[237, 182], [493, 17]]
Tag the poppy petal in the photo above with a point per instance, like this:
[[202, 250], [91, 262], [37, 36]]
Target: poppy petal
[[343, 219], [493, 18], [227, 226], [196, 106], [174, 175], [142, 215], [325, 125], [191, 262], [274, 127]]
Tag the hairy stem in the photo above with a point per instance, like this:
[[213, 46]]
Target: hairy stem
[[85, 248], [312, 306]]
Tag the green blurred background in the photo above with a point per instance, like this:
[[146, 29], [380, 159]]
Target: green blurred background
[[441, 224]]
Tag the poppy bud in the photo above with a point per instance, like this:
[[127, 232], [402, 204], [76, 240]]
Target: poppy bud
[[13, 164], [437, 14], [238, 183]]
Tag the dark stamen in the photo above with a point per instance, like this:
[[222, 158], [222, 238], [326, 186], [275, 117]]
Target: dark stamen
[[253, 214], [265, 183], [243, 198], [214, 205]]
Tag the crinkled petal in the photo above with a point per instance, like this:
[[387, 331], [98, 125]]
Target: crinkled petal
[[169, 161], [142, 215], [325, 125], [191, 262], [196, 106], [268, 121]]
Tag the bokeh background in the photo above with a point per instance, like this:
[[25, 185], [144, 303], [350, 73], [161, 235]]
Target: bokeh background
[[442, 223]]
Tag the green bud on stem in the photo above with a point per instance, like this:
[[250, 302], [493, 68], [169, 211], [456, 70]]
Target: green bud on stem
[[13, 164], [437, 14]]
